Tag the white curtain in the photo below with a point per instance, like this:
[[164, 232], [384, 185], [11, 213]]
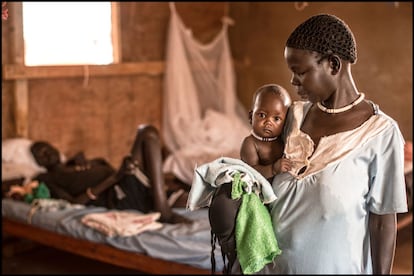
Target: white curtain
[[202, 117]]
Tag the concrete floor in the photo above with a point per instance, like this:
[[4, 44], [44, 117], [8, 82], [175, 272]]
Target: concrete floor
[[43, 260]]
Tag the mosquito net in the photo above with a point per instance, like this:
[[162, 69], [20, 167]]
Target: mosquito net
[[202, 117]]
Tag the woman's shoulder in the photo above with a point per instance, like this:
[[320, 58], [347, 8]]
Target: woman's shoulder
[[383, 127], [380, 118], [301, 104], [297, 111], [300, 107]]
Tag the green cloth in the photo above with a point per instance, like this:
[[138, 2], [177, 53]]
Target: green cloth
[[41, 191], [255, 239]]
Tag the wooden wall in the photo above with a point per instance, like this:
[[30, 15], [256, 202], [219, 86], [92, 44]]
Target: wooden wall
[[99, 114]]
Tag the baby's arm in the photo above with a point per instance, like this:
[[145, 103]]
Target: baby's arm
[[248, 153]]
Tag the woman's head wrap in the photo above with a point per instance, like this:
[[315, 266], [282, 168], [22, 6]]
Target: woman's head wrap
[[325, 34]]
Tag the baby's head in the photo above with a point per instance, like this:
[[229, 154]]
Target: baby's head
[[275, 93], [270, 105], [325, 34]]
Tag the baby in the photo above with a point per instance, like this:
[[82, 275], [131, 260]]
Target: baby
[[263, 148]]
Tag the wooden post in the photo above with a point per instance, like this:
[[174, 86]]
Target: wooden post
[[21, 95]]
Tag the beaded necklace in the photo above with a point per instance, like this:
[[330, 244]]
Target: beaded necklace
[[263, 139], [342, 109]]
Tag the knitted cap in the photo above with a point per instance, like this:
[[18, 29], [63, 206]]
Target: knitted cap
[[325, 34]]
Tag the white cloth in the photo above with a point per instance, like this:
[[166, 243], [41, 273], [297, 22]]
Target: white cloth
[[122, 223], [210, 176], [203, 118], [17, 160], [321, 216]]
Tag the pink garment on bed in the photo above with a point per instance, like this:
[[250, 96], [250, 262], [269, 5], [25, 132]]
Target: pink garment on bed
[[122, 223]]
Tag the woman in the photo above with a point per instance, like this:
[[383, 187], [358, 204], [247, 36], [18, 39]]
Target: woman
[[336, 207]]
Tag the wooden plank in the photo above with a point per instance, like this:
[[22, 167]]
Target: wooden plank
[[116, 32], [21, 90], [18, 71], [152, 68], [21, 108], [97, 251], [16, 38]]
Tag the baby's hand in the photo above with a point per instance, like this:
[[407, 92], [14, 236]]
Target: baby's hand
[[282, 165]]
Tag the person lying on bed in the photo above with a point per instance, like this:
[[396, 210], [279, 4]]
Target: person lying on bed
[[138, 184]]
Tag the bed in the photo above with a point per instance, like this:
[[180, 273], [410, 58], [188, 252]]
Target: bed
[[172, 249]]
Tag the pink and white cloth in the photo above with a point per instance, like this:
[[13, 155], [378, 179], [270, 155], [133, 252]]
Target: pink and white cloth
[[122, 223]]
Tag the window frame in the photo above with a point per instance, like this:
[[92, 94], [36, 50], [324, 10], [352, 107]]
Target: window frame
[[115, 38], [16, 70]]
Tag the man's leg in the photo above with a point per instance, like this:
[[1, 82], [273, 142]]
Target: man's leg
[[147, 155]]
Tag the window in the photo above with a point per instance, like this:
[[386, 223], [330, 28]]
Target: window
[[68, 33]]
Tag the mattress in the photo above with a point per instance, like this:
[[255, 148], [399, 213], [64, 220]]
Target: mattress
[[182, 243]]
